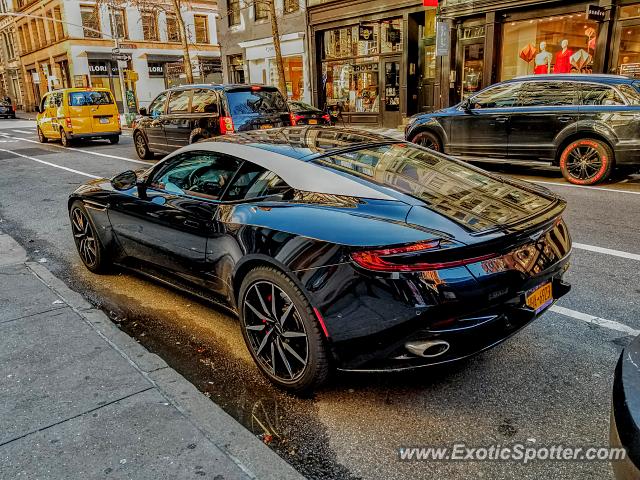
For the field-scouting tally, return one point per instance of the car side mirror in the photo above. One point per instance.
(143, 111)
(124, 181)
(37, 108)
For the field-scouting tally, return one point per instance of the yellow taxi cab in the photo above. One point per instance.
(72, 113)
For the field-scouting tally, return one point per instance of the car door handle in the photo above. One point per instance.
(565, 119)
(502, 119)
(192, 223)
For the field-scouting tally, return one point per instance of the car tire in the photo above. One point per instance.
(41, 137)
(295, 359)
(64, 139)
(141, 146)
(114, 139)
(85, 235)
(428, 140)
(586, 161)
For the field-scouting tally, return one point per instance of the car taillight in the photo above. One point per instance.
(226, 125)
(379, 260)
(119, 122)
(294, 119)
(326, 117)
(68, 121)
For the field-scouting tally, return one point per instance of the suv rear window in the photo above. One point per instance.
(247, 102)
(80, 99)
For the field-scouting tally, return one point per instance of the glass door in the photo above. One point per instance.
(472, 69)
(628, 48)
(391, 100)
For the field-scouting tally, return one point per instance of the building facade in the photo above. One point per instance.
(70, 43)
(11, 81)
(245, 34)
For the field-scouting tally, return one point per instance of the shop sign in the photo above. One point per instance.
(365, 67)
(393, 36)
(156, 69)
(102, 69)
(35, 76)
(365, 34)
(630, 70)
(595, 12)
(467, 33)
(443, 39)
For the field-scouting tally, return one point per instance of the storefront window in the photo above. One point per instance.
(629, 53)
(472, 70)
(630, 11)
(391, 39)
(561, 44)
(293, 76)
(353, 86)
(338, 43)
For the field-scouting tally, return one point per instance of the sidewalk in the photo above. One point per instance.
(79, 399)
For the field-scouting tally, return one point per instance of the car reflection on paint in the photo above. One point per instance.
(337, 249)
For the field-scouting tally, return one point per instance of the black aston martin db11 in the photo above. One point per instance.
(336, 248)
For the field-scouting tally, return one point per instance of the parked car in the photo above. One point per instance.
(625, 413)
(74, 113)
(185, 114)
(7, 110)
(305, 114)
(336, 248)
(586, 124)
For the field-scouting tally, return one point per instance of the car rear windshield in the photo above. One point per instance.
(248, 102)
(80, 99)
(463, 193)
(302, 107)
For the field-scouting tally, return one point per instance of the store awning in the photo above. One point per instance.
(164, 58)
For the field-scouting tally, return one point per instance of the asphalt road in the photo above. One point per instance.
(550, 384)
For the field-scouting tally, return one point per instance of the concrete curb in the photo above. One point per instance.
(254, 458)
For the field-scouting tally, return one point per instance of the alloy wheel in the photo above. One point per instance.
(141, 146)
(84, 237)
(584, 162)
(427, 140)
(275, 331)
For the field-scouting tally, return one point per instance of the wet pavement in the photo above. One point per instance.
(549, 384)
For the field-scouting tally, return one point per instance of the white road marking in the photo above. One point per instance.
(50, 164)
(24, 131)
(607, 251)
(599, 321)
(90, 152)
(571, 185)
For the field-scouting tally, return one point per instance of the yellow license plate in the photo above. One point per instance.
(266, 127)
(313, 122)
(540, 297)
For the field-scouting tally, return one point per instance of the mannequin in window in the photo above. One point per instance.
(563, 59)
(543, 60)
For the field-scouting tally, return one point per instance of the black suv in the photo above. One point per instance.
(188, 113)
(586, 124)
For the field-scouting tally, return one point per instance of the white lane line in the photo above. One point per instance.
(24, 131)
(50, 164)
(607, 251)
(570, 185)
(599, 321)
(90, 152)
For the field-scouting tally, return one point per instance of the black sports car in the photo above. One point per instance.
(305, 114)
(336, 248)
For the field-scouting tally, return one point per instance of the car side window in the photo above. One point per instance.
(179, 101)
(600, 95)
(44, 103)
(543, 94)
(499, 96)
(204, 101)
(199, 174)
(157, 106)
(253, 181)
(633, 95)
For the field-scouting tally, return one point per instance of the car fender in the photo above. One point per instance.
(428, 124)
(584, 128)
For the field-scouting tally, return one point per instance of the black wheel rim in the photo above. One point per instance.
(84, 237)
(428, 142)
(275, 331)
(584, 162)
(40, 135)
(140, 146)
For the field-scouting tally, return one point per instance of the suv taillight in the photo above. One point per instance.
(294, 119)
(226, 125)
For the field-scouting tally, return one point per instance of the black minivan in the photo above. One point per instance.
(188, 113)
(586, 124)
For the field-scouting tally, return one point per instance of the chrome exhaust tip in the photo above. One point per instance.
(428, 348)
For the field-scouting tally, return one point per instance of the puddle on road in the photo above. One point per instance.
(206, 347)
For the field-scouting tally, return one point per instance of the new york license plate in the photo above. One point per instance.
(540, 297)
(266, 126)
(104, 119)
(313, 122)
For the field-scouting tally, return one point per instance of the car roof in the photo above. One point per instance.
(582, 77)
(81, 89)
(223, 86)
(293, 170)
(305, 142)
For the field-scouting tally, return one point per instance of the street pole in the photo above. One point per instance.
(114, 34)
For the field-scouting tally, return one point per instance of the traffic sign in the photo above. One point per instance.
(115, 51)
(123, 57)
